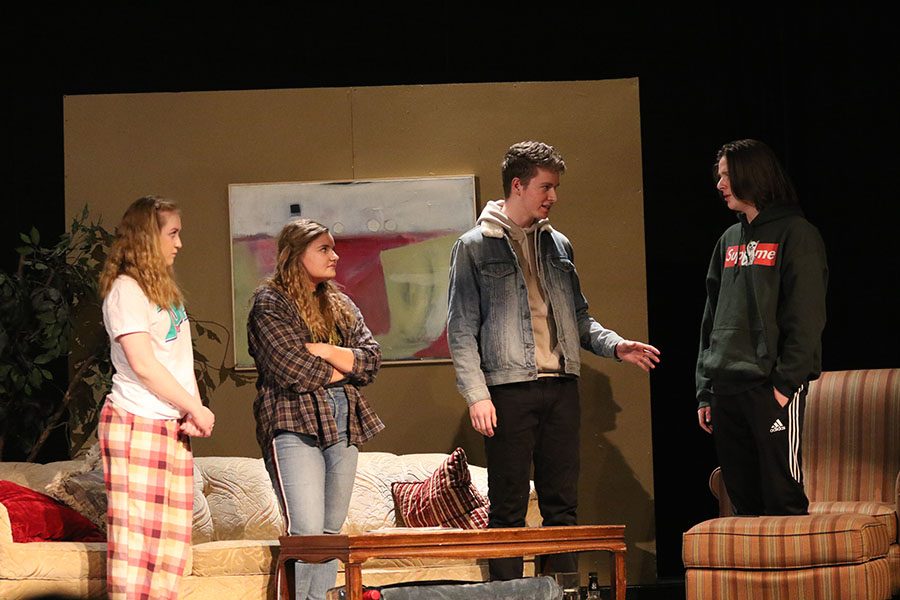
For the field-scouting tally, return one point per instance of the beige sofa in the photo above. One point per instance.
(237, 521)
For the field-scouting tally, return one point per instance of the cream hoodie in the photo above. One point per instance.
(525, 243)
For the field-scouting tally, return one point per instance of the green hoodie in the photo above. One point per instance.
(765, 306)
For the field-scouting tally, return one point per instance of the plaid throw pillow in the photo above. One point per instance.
(446, 499)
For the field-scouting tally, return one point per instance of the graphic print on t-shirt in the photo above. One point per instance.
(177, 316)
(754, 253)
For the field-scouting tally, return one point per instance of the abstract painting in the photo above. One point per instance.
(393, 236)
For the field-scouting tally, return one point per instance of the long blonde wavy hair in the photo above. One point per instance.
(136, 252)
(321, 309)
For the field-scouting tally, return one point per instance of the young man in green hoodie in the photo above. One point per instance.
(516, 323)
(760, 341)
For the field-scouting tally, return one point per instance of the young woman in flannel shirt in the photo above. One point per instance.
(313, 352)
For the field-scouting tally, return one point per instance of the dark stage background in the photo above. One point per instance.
(819, 85)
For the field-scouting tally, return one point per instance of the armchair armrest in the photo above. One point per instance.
(717, 487)
(897, 505)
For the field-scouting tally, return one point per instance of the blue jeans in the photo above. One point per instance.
(315, 485)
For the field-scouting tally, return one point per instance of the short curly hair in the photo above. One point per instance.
(522, 160)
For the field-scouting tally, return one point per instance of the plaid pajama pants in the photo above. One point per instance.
(148, 470)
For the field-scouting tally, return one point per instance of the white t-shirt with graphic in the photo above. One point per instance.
(126, 309)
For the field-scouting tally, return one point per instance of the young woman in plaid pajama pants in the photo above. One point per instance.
(313, 352)
(153, 407)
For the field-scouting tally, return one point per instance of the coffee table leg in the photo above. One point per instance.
(353, 583)
(286, 576)
(617, 576)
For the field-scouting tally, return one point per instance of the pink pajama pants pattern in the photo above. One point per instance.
(148, 470)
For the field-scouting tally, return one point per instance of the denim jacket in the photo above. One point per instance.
(489, 322)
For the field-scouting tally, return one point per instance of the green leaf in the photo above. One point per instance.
(44, 358)
(46, 317)
(24, 238)
(35, 378)
(24, 250)
(35, 236)
(47, 374)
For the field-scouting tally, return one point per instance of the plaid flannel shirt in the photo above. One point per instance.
(291, 382)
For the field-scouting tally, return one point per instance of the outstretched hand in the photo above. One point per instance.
(643, 355)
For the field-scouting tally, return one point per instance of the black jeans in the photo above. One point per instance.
(537, 422)
(758, 445)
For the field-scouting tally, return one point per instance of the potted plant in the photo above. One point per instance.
(50, 318)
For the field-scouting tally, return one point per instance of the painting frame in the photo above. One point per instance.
(394, 236)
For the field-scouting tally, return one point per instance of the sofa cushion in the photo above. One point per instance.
(445, 499)
(234, 557)
(84, 492)
(241, 500)
(202, 528)
(36, 517)
(865, 581)
(851, 436)
(35, 475)
(82, 489)
(882, 511)
(53, 560)
(372, 503)
(784, 542)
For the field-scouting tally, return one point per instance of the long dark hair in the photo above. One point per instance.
(756, 175)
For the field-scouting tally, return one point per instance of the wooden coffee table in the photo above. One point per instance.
(353, 550)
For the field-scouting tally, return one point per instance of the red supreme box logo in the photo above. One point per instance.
(753, 253)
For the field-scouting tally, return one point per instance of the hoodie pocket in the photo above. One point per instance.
(732, 354)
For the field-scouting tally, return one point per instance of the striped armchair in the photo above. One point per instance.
(848, 546)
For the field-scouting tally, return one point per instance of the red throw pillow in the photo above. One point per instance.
(446, 499)
(36, 517)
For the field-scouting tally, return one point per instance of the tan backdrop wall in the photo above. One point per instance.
(190, 146)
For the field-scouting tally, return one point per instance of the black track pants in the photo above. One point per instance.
(758, 445)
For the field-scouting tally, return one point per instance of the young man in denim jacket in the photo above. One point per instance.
(516, 321)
